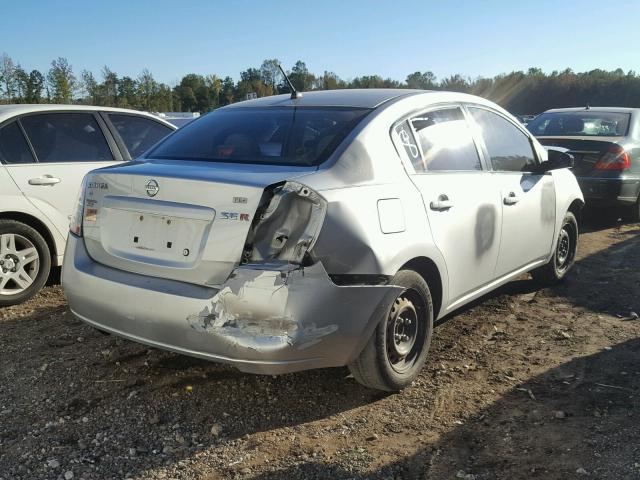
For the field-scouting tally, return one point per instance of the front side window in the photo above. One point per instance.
(507, 146)
(13, 145)
(138, 133)
(295, 136)
(446, 142)
(66, 137)
(584, 123)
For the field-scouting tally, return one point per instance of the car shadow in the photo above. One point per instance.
(590, 283)
(520, 286)
(578, 420)
(607, 281)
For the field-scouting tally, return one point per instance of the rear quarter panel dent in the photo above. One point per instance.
(351, 240)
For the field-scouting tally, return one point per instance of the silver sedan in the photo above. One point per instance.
(331, 229)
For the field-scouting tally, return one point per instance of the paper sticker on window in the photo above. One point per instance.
(407, 140)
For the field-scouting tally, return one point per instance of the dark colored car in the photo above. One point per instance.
(605, 143)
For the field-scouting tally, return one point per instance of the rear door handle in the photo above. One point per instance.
(443, 203)
(511, 199)
(44, 180)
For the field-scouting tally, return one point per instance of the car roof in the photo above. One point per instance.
(594, 109)
(12, 110)
(353, 97)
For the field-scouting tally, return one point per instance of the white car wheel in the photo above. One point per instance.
(25, 262)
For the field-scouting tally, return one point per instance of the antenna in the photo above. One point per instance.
(294, 93)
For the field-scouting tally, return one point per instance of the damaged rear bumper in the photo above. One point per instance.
(267, 319)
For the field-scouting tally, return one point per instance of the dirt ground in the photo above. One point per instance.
(525, 383)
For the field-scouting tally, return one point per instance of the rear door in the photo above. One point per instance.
(527, 198)
(64, 147)
(462, 203)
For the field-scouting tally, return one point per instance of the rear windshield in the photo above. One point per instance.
(298, 136)
(581, 124)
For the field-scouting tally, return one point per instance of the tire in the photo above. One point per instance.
(397, 349)
(25, 262)
(564, 254)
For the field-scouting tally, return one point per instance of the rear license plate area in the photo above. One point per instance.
(159, 234)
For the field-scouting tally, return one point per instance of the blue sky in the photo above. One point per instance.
(390, 38)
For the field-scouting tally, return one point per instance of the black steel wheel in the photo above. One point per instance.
(564, 254)
(397, 349)
(405, 326)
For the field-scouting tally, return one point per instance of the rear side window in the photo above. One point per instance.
(297, 136)
(13, 145)
(446, 142)
(407, 141)
(66, 137)
(138, 133)
(507, 146)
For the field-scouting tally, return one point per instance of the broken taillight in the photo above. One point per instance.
(286, 225)
(616, 158)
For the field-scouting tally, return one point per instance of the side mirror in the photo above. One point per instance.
(557, 158)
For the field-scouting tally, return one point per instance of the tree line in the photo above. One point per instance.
(520, 92)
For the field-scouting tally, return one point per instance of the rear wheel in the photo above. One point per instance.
(25, 262)
(397, 350)
(564, 254)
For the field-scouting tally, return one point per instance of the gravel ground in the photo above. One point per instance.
(525, 383)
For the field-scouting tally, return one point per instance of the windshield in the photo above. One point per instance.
(297, 136)
(581, 124)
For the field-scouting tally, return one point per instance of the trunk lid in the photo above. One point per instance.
(585, 150)
(186, 221)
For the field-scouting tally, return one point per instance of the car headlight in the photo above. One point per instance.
(286, 224)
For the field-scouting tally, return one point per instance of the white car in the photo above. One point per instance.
(289, 233)
(45, 151)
